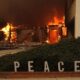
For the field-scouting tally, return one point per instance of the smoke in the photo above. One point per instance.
(31, 12)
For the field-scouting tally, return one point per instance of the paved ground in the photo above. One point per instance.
(13, 51)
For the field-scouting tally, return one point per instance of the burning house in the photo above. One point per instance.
(50, 28)
(10, 33)
(56, 30)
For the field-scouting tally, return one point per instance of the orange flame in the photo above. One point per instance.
(56, 20)
(6, 31)
(53, 34)
(13, 36)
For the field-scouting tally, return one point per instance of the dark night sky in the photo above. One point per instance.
(31, 12)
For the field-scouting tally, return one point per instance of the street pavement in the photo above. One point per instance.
(14, 51)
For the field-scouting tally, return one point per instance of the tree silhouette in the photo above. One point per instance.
(2, 35)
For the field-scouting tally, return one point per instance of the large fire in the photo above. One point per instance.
(56, 21)
(56, 29)
(10, 33)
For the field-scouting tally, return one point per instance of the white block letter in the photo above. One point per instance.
(46, 67)
(30, 66)
(59, 66)
(77, 66)
(16, 65)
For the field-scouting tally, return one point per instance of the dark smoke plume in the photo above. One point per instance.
(31, 12)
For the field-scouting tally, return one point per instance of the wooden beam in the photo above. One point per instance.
(38, 75)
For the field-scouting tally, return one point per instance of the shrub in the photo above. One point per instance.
(68, 50)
